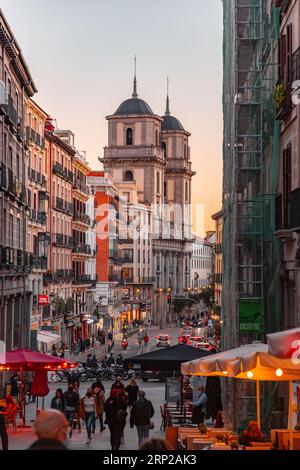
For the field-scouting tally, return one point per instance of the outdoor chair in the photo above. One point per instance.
(11, 418)
(296, 443)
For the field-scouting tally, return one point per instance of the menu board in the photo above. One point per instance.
(173, 390)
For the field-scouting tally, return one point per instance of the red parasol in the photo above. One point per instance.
(26, 360)
(39, 387)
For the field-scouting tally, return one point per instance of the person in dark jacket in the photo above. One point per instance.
(141, 413)
(199, 406)
(72, 403)
(3, 430)
(51, 428)
(118, 384)
(14, 385)
(214, 397)
(132, 391)
(58, 401)
(111, 360)
(114, 411)
(98, 384)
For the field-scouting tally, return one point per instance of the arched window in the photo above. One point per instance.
(164, 149)
(165, 189)
(158, 182)
(128, 176)
(129, 136)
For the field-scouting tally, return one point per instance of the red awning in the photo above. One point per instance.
(26, 359)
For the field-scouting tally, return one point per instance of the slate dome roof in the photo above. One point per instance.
(133, 106)
(171, 123)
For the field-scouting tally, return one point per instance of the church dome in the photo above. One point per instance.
(171, 123)
(133, 106)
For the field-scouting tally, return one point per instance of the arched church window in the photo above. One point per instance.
(128, 176)
(164, 149)
(129, 136)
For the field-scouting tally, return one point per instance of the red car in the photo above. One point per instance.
(183, 339)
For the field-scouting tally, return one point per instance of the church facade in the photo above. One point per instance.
(148, 157)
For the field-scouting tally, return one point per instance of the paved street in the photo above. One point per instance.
(155, 391)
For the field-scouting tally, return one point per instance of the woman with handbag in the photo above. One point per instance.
(141, 413)
(88, 411)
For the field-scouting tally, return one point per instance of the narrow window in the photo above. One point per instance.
(129, 136)
(164, 149)
(128, 176)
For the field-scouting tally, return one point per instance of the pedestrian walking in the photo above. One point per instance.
(100, 401)
(114, 412)
(14, 387)
(88, 412)
(132, 391)
(71, 398)
(58, 401)
(118, 384)
(98, 384)
(141, 413)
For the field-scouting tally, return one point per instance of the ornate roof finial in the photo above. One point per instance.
(167, 113)
(134, 94)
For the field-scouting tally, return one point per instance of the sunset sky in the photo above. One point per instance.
(80, 53)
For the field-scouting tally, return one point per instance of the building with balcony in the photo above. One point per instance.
(287, 210)
(16, 263)
(201, 263)
(38, 203)
(106, 208)
(150, 154)
(218, 261)
(59, 278)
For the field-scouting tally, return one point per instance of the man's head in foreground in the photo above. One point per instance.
(51, 424)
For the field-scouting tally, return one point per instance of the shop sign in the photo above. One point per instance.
(43, 300)
(250, 312)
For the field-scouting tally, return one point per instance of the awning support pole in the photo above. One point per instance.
(258, 403)
(291, 414)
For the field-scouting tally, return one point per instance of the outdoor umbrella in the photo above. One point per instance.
(285, 344)
(166, 359)
(21, 360)
(249, 362)
(39, 386)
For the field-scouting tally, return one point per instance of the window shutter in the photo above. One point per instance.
(289, 51)
(282, 58)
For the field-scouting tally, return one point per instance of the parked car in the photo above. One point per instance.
(183, 339)
(163, 341)
(153, 375)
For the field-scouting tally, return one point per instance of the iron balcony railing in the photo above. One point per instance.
(80, 186)
(82, 279)
(59, 170)
(81, 248)
(62, 205)
(80, 217)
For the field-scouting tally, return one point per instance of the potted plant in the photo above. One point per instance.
(202, 428)
(234, 445)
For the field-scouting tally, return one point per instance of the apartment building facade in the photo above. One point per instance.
(16, 87)
(288, 199)
(201, 263)
(218, 260)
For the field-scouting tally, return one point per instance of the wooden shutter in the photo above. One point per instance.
(282, 51)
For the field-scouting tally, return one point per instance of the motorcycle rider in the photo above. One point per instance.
(119, 360)
(111, 360)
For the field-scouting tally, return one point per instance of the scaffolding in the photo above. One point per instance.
(251, 254)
